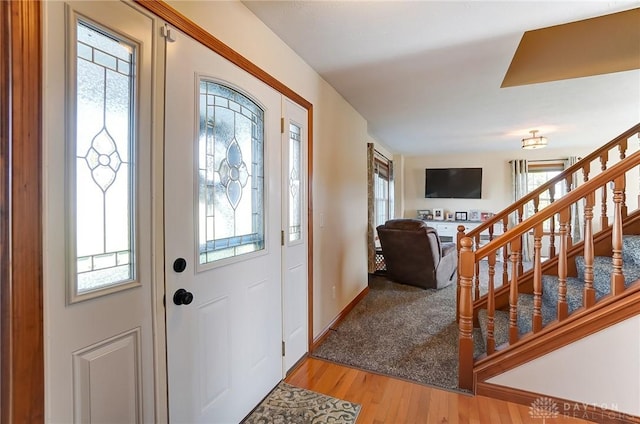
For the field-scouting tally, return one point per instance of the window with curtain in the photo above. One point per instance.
(379, 199)
(528, 176)
(381, 190)
(538, 173)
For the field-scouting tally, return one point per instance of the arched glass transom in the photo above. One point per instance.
(230, 173)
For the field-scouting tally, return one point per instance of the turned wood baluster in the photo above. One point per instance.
(491, 305)
(617, 279)
(585, 173)
(520, 213)
(536, 204)
(623, 149)
(604, 220)
(589, 296)
(552, 225)
(505, 254)
(537, 278)
(465, 322)
(513, 291)
(562, 266)
(568, 182)
(476, 277)
(491, 237)
(520, 217)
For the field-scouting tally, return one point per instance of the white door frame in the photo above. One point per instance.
(156, 344)
(172, 17)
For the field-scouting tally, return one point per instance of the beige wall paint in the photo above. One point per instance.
(602, 369)
(339, 168)
(496, 179)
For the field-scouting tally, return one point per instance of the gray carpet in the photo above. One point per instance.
(402, 331)
(288, 404)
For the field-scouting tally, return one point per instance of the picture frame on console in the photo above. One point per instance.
(423, 213)
(485, 216)
(438, 214)
(474, 215)
(461, 216)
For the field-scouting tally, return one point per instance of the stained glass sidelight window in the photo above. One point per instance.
(295, 201)
(230, 174)
(104, 180)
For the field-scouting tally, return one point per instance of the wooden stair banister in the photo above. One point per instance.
(561, 208)
(566, 201)
(598, 239)
(601, 154)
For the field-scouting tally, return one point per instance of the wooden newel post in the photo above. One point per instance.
(459, 236)
(465, 317)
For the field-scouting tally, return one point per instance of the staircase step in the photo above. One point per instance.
(525, 314)
(602, 269)
(575, 287)
(500, 327)
(631, 249)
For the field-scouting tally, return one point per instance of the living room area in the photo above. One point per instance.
(407, 327)
(386, 338)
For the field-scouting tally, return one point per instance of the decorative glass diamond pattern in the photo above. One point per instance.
(295, 201)
(233, 173)
(230, 173)
(103, 145)
(103, 160)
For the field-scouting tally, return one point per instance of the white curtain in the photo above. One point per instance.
(519, 184)
(371, 248)
(577, 209)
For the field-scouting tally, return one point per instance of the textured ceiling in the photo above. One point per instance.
(426, 74)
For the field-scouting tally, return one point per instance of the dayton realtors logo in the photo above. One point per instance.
(548, 408)
(544, 407)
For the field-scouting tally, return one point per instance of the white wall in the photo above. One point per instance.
(602, 369)
(496, 178)
(339, 152)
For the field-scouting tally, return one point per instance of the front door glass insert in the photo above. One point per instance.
(230, 173)
(104, 151)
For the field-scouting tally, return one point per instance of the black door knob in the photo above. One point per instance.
(182, 297)
(179, 265)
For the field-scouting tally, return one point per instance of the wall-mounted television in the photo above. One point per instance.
(453, 183)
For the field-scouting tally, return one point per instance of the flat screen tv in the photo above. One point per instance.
(453, 183)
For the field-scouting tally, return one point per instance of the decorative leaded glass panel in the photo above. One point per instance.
(295, 201)
(230, 174)
(103, 160)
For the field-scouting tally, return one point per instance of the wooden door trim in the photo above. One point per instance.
(184, 24)
(21, 278)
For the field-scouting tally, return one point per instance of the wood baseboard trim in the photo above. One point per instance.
(325, 333)
(566, 408)
(581, 324)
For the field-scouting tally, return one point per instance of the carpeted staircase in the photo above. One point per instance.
(602, 269)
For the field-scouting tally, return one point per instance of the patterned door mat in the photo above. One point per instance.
(288, 404)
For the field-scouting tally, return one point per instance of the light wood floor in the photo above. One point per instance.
(389, 400)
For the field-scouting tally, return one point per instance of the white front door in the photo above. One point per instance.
(294, 257)
(98, 86)
(222, 228)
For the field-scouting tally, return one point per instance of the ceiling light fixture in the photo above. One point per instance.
(534, 142)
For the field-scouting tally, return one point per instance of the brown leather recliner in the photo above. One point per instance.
(414, 254)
